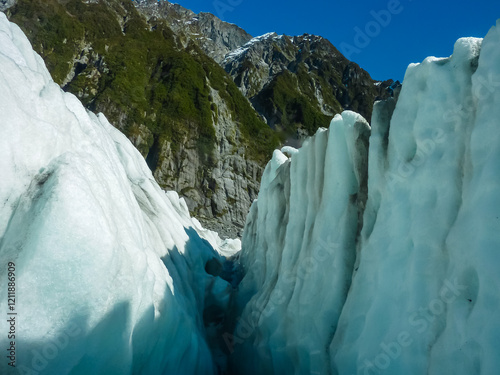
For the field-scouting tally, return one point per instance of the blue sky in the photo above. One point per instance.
(383, 37)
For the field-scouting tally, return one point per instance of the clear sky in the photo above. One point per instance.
(383, 37)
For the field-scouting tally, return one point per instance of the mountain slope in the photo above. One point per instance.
(383, 260)
(215, 37)
(180, 109)
(295, 83)
(301, 81)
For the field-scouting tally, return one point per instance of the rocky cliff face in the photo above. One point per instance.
(6, 4)
(297, 84)
(215, 37)
(220, 196)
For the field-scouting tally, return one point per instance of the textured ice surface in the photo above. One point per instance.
(412, 286)
(110, 270)
(297, 245)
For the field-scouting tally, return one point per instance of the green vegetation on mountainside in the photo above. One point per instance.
(307, 83)
(292, 107)
(136, 74)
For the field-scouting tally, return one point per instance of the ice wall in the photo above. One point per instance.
(416, 292)
(298, 258)
(109, 269)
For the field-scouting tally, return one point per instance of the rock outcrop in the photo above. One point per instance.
(6, 4)
(221, 196)
(214, 36)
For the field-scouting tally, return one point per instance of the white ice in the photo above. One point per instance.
(413, 286)
(110, 269)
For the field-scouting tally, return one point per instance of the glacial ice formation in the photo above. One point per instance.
(357, 260)
(109, 269)
(385, 263)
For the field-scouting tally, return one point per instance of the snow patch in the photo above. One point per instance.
(240, 51)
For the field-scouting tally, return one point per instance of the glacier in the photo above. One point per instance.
(370, 250)
(111, 273)
(383, 259)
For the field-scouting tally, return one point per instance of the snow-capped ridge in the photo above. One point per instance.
(240, 51)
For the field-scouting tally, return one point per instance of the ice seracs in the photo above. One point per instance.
(386, 262)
